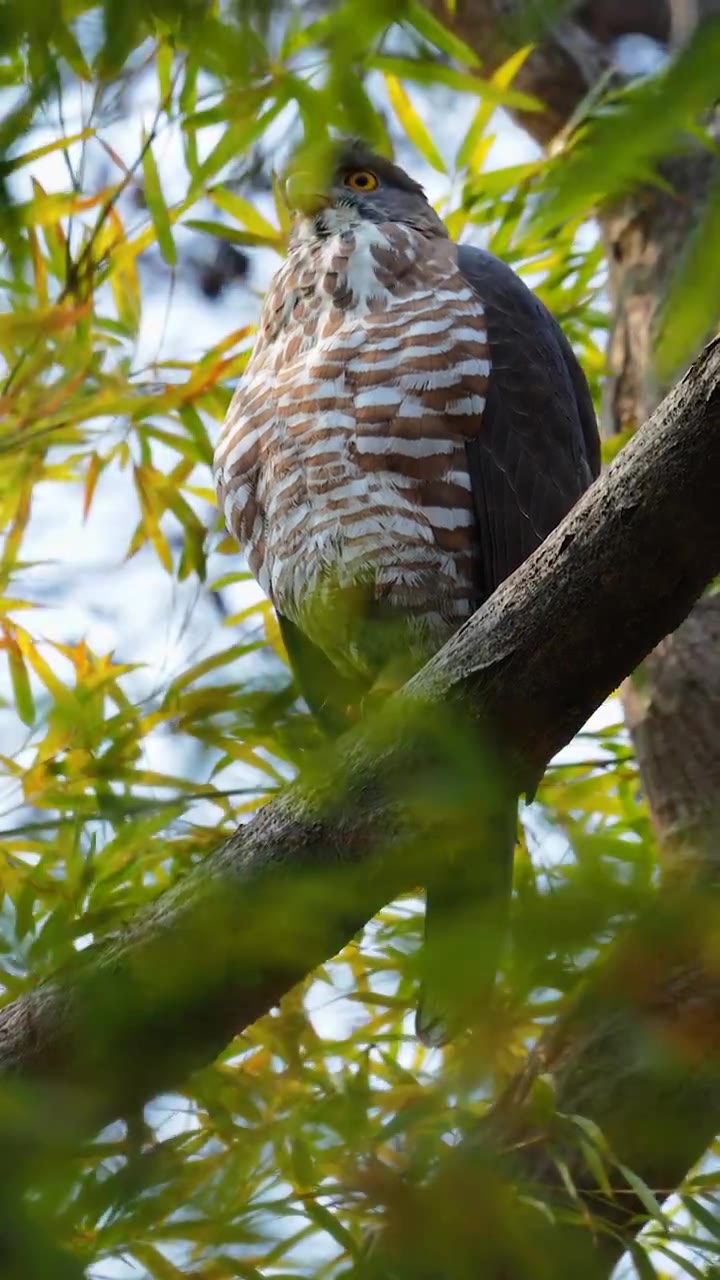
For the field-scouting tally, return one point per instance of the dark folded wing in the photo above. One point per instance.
(538, 447)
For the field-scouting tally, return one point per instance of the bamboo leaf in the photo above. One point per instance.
(644, 1194)
(411, 122)
(37, 153)
(474, 146)
(422, 72)
(622, 139)
(707, 1219)
(236, 138)
(436, 33)
(330, 1223)
(691, 308)
(643, 1266)
(20, 680)
(224, 232)
(244, 211)
(156, 205)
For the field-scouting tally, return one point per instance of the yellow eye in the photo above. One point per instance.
(361, 180)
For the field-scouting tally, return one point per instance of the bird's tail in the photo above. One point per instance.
(466, 922)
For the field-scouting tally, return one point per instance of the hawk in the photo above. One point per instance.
(411, 425)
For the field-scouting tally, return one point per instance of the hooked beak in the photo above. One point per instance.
(301, 193)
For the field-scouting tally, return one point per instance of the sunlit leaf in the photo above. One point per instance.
(22, 690)
(156, 205)
(474, 146)
(437, 33)
(244, 211)
(425, 73)
(616, 147)
(223, 232)
(411, 122)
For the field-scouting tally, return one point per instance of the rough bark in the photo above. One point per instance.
(672, 708)
(135, 1016)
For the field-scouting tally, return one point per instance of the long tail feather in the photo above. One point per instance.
(466, 924)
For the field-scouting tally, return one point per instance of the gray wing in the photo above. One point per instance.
(536, 451)
(538, 447)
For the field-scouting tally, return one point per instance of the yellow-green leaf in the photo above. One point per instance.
(70, 50)
(436, 33)
(411, 122)
(474, 147)
(232, 235)
(244, 211)
(156, 205)
(22, 692)
(165, 61)
(422, 72)
(124, 280)
(59, 144)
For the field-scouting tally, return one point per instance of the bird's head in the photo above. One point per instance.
(346, 184)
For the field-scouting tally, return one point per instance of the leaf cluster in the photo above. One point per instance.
(118, 773)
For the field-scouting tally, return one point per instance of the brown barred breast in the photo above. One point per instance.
(342, 461)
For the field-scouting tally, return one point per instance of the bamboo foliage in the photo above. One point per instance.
(133, 134)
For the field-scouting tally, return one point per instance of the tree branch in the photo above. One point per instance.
(134, 1016)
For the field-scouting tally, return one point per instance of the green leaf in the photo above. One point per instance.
(330, 1223)
(237, 137)
(691, 307)
(244, 211)
(616, 147)
(641, 1262)
(59, 144)
(156, 205)
(165, 63)
(20, 680)
(710, 1221)
(411, 122)
(429, 74)
(645, 1195)
(682, 1262)
(469, 150)
(420, 17)
(68, 47)
(224, 232)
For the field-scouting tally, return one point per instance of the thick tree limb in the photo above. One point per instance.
(136, 1015)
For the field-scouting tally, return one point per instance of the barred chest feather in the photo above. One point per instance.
(342, 465)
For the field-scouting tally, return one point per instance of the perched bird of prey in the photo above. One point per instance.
(411, 424)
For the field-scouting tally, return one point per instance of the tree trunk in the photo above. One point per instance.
(672, 706)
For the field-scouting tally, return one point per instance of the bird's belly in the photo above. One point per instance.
(356, 566)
